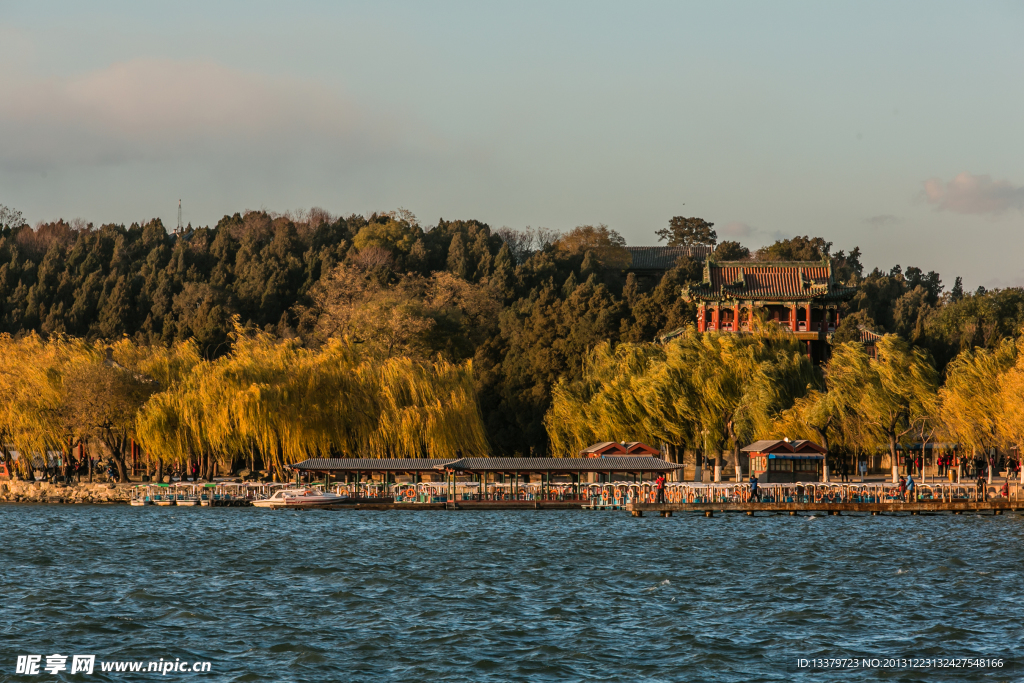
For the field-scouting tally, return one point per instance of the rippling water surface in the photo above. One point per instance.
(506, 596)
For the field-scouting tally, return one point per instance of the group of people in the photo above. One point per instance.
(907, 488)
(69, 469)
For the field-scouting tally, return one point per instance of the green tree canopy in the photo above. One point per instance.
(685, 232)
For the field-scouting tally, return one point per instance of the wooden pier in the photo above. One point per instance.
(456, 505)
(930, 507)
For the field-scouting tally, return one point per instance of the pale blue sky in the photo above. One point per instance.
(893, 126)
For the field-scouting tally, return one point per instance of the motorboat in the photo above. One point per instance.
(301, 497)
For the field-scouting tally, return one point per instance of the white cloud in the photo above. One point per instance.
(148, 110)
(973, 194)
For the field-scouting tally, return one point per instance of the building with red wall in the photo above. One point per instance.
(802, 296)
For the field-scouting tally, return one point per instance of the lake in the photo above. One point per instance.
(509, 596)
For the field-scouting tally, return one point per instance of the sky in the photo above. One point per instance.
(896, 127)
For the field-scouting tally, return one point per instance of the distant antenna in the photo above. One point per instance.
(179, 228)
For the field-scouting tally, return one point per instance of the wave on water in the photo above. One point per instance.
(499, 596)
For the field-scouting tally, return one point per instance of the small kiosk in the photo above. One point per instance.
(785, 462)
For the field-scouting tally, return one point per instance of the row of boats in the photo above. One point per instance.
(232, 494)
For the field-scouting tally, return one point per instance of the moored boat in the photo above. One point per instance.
(140, 496)
(302, 497)
(186, 494)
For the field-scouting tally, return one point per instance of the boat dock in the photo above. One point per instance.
(637, 497)
(831, 498)
(454, 505)
(995, 507)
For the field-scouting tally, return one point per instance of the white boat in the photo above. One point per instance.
(140, 496)
(186, 494)
(298, 498)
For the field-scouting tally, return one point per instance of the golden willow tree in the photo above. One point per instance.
(1011, 399)
(978, 399)
(868, 402)
(287, 403)
(267, 398)
(701, 391)
(65, 391)
(31, 398)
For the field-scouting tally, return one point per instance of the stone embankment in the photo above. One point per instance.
(44, 492)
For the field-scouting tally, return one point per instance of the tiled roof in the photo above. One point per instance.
(644, 463)
(614, 463)
(372, 464)
(638, 447)
(664, 258)
(867, 335)
(762, 446)
(797, 280)
(782, 446)
(605, 447)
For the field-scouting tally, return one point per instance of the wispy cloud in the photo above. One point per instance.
(158, 110)
(737, 230)
(974, 194)
(882, 220)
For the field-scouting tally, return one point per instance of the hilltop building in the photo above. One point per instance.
(655, 261)
(800, 295)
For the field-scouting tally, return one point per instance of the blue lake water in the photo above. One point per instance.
(507, 596)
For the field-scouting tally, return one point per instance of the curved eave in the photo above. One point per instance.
(754, 296)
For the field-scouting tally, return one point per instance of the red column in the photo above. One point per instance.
(736, 318)
(808, 317)
(702, 313)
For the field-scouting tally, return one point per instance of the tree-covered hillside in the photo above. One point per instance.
(524, 306)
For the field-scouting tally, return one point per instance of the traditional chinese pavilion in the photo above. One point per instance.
(785, 461)
(800, 295)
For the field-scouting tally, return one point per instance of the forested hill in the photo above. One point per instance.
(523, 305)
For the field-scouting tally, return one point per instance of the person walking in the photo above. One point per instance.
(982, 488)
(910, 489)
(903, 488)
(754, 494)
(659, 485)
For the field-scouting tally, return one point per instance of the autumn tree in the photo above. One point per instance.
(102, 398)
(972, 406)
(701, 391)
(605, 246)
(892, 394)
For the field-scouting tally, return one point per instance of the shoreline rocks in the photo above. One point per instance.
(44, 492)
